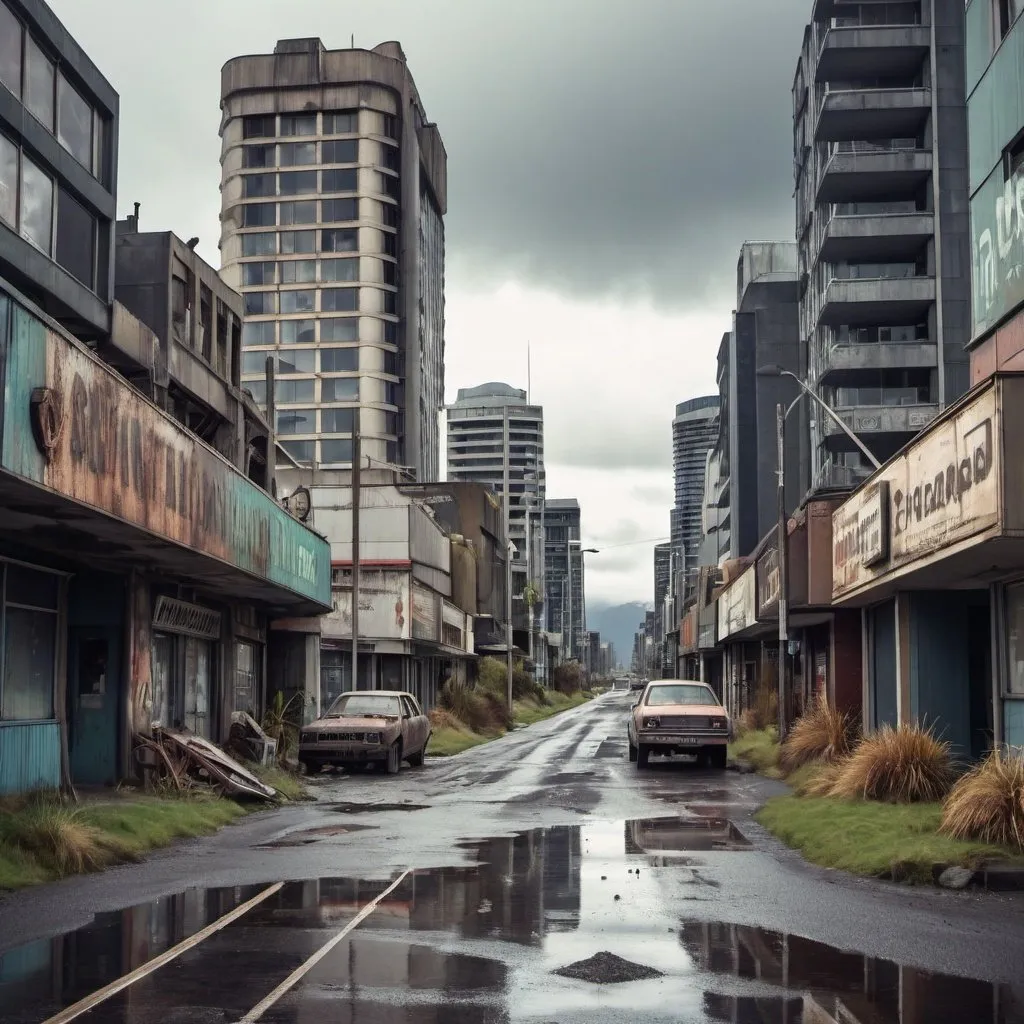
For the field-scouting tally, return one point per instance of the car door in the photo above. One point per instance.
(410, 740)
(419, 723)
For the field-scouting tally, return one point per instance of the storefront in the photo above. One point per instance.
(739, 634)
(931, 551)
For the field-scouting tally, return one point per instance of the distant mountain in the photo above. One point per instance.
(617, 624)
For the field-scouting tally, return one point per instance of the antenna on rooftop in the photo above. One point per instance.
(353, 40)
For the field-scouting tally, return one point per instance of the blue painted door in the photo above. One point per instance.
(94, 679)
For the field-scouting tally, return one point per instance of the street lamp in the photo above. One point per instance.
(774, 370)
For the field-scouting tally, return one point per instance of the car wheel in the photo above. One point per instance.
(312, 767)
(416, 760)
(642, 753)
(720, 758)
(632, 749)
(394, 761)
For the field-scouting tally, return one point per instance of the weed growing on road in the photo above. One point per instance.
(760, 749)
(987, 804)
(822, 733)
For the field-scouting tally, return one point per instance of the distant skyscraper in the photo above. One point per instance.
(563, 561)
(694, 433)
(662, 588)
(333, 190)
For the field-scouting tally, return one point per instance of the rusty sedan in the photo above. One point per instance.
(379, 727)
(678, 716)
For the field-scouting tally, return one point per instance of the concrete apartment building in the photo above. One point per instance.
(741, 485)
(880, 156)
(663, 622)
(496, 438)
(564, 570)
(333, 194)
(694, 432)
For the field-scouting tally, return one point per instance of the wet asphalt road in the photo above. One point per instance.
(512, 861)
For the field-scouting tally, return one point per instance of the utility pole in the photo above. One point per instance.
(782, 545)
(506, 454)
(271, 368)
(356, 473)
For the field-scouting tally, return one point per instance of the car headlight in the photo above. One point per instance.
(652, 723)
(373, 737)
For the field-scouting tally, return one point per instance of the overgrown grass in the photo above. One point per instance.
(527, 712)
(987, 803)
(883, 840)
(286, 783)
(821, 734)
(43, 838)
(760, 749)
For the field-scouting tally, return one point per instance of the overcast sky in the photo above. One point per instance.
(606, 160)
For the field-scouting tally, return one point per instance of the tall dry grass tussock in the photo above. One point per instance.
(907, 764)
(822, 733)
(823, 781)
(57, 836)
(987, 803)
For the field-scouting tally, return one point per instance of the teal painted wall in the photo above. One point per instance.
(1013, 723)
(26, 369)
(29, 757)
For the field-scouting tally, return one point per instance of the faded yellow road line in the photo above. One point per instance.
(268, 1001)
(101, 994)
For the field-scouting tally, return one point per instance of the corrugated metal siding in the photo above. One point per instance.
(26, 369)
(29, 757)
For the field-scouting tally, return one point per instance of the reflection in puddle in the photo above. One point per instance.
(479, 944)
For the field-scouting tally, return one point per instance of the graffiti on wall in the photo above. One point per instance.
(997, 224)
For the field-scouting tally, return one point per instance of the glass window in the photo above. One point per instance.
(262, 126)
(340, 209)
(293, 183)
(301, 212)
(298, 241)
(339, 240)
(298, 124)
(74, 122)
(297, 360)
(247, 663)
(302, 300)
(259, 303)
(390, 393)
(389, 156)
(337, 421)
(261, 333)
(298, 332)
(389, 185)
(260, 243)
(339, 389)
(296, 421)
(339, 360)
(389, 215)
(339, 180)
(258, 273)
(391, 333)
(341, 123)
(290, 391)
(259, 215)
(300, 451)
(340, 151)
(256, 185)
(76, 239)
(339, 300)
(297, 154)
(8, 179)
(259, 156)
(390, 273)
(390, 126)
(339, 328)
(298, 271)
(340, 270)
(29, 652)
(389, 302)
(27, 586)
(10, 50)
(336, 450)
(391, 363)
(391, 246)
(36, 205)
(255, 362)
(38, 83)
(258, 388)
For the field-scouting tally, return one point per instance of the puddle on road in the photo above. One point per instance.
(482, 944)
(305, 836)
(351, 808)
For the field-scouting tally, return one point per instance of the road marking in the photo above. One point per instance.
(268, 1001)
(102, 994)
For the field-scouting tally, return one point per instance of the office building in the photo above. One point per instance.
(564, 574)
(333, 193)
(880, 156)
(741, 485)
(496, 438)
(663, 623)
(694, 432)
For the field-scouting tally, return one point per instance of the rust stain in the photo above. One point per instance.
(141, 680)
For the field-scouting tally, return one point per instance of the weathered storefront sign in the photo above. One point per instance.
(425, 625)
(383, 608)
(768, 581)
(997, 226)
(737, 606)
(73, 426)
(942, 490)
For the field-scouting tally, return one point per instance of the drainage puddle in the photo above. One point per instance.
(305, 836)
(375, 808)
(566, 924)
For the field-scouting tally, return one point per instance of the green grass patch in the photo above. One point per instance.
(760, 749)
(898, 841)
(447, 741)
(529, 712)
(43, 838)
(288, 785)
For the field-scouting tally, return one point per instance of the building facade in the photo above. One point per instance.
(333, 195)
(880, 156)
(663, 624)
(694, 432)
(496, 438)
(563, 574)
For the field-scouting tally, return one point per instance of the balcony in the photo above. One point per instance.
(838, 360)
(864, 171)
(833, 476)
(875, 237)
(878, 420)
(876, 300)
(848, 50)
(872, 113)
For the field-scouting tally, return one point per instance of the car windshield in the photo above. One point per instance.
(682, 693)
(364, 705)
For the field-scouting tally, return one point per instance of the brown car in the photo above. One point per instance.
(381, 727)
(678, 716)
